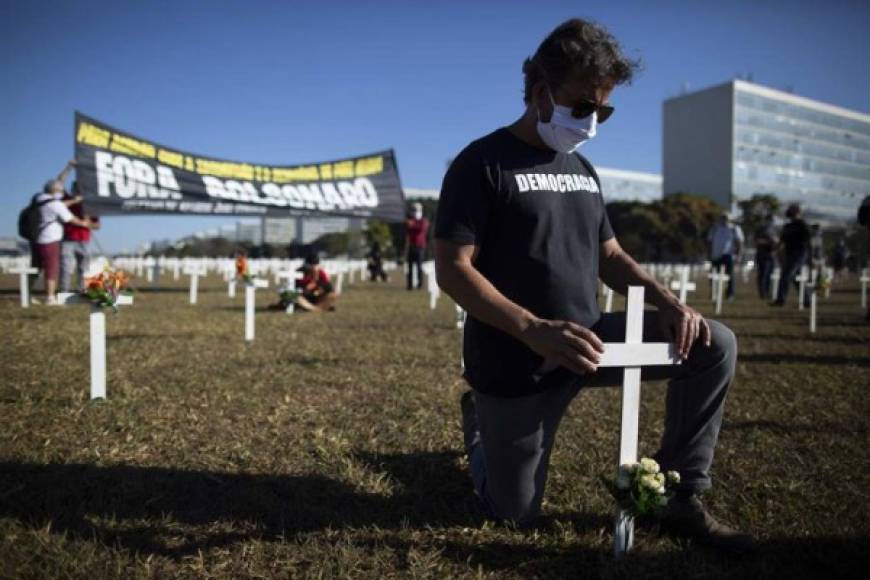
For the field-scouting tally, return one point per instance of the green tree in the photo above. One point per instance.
(672, 229)
(754, 209)
(378, 231)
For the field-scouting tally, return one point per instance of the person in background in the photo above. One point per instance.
(376, 263)
(725, 244)
(318, 295)
(794, 244)
(75, 255)
(864, 220)
(765, 242)
(839, 256)
(53, 214)
(416, 231)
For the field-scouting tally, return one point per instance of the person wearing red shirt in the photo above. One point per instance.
(75, 255)
(318, 295)
(416, 232)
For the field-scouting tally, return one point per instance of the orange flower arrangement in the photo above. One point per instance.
(242, 269)
(104, 288)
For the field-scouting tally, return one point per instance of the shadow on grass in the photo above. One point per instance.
(147, 509)
(823, 557)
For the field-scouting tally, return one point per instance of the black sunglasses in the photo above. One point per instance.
(585, 108)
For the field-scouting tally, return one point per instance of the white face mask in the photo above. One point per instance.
(564, 133)
(418, 214)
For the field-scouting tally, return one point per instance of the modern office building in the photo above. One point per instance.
(734, 140)
(621, 185)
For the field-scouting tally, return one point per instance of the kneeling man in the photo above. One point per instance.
(521, 238)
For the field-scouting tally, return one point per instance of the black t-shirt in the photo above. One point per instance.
(795, 237)
(538, 217)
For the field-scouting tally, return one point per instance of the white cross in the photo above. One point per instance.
(194, 274)
(865, 279)
(461, 317)
(683, 285)
(813, 309)
(717, 282)
(608, 298)
(250, 302)
(802, 279)
(632, 355)
(98, 337)
(431, 284)
(24, 283)
(774, 283)
(747, 267)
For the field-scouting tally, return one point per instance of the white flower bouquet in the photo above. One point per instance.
(641, 488)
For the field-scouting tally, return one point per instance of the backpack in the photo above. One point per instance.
(30, 220)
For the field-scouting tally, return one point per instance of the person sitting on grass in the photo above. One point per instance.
(317, 293)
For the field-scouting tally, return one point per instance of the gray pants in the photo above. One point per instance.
(513, 438)
(74, 258)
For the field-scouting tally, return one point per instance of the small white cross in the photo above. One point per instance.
(250, 303)
(865, 280)
(683, 285)
(774, 283)
(802, 279)
(717, 282)
(194, 274)
(24, 283)
(98, 337)
(632, 355)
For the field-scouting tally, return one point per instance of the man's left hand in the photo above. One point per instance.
(683, 325)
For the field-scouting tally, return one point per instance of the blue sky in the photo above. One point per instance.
(286, 83)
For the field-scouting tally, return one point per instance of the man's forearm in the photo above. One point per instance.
(619, 271)
(473, 292)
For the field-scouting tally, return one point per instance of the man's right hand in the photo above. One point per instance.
(566, 343)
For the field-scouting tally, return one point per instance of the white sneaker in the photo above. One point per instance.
(52, 301)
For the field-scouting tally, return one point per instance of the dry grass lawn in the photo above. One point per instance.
(330, 447)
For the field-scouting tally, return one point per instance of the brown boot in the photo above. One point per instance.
(686, 518)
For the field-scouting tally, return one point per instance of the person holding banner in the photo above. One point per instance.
(54, 212)
(521, 237)
(75, 255)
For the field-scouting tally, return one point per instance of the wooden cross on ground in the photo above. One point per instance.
(632, 355)
(98, 337)
(250, 303)
(683, 286)
(23, 283)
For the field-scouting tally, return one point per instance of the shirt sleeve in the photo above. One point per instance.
(62, 211)
(465, 202)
